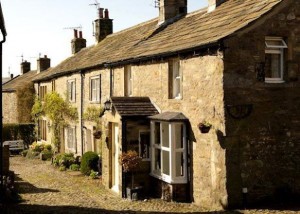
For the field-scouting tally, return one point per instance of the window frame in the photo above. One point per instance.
(71, 89)
(71, 145)
(278, 50)
(128, 81)
(172, 150)
(97, 97)
(175, 79)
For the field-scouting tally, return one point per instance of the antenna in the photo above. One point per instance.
(96, 4)
(22, 57)
(73, 28)
(156, 3)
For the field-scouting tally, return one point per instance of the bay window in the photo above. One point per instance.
(169, 155)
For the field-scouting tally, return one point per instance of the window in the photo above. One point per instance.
(71, 90)
(274, 59)
(168, 154)
(175, 80)
(128, 83)
(95, 89)
(42, 92)
(144, 145)
(71, 138)
(42, 129)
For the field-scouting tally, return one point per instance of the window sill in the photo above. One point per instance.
(94, 102)
(274, 81)
(168, 179)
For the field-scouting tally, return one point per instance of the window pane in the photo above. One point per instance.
(157, 160)
(178, 136)
(165, 135)
(273, 65)
(166, 162)
(179, 164)
(144, 145)
(157, 133)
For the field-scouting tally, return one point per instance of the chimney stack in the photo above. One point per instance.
(78, 42)
(103, 25)
(171, 8)
(25, 67)
(213, 4)
(11, 76)
(43, 64)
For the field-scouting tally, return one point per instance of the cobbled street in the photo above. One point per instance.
(45, 189)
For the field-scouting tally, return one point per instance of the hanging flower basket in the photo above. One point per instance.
(97, 134)
(204, 127)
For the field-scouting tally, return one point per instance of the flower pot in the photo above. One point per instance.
(204, 128)
(135, 193)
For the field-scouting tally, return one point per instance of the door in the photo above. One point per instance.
(115, 158)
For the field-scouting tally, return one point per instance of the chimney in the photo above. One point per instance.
(78, 42)
(171, 8)
(103, 25)
(43, 64)
(11, 76)
(25, 67)
(213, 4)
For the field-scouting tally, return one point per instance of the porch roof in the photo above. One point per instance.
(169, 116)
(133, 106)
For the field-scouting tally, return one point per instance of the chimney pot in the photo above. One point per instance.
(45, 56)
(100, 13)
(80, 34)
(11, 76)
(75, 34)
(106, 14)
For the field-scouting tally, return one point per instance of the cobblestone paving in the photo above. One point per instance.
(44, 189)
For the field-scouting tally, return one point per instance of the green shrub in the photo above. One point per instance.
(66, 160)
(48, 147)
(93, 174)
(89, 162)
(46, 155)
(32, 154)
(24, 153)
(75, 167)
(19, 131)
(62, 168)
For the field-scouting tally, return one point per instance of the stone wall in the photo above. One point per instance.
(9, 107)
(263, 150)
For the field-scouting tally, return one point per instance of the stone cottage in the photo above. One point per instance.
(18, 93)
(233, 65)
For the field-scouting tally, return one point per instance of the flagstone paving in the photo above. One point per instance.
(45, 189)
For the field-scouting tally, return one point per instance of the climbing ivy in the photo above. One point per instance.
(58, 110)
(25, 101)
(92, 114)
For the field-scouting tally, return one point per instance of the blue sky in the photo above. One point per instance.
(36, 27)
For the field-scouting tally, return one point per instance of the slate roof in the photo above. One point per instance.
(195, 30)
(133, 106)
(169, 116)
(18, 81)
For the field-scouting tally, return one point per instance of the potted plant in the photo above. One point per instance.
(204, 127)
(130, 162)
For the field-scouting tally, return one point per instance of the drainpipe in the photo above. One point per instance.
(81, 109)
(3, 31)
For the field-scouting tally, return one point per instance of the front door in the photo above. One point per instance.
(115, 158)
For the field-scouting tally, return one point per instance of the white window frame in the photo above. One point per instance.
(71, 88)
(128, 84)
(95, 89)
(171, 178)
(176, 79)
(276, 49)
(70, 133)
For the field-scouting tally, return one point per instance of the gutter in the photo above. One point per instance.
(3, 31)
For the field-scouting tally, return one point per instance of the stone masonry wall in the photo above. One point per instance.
(263, 149)
(9, 107)
(202, 100)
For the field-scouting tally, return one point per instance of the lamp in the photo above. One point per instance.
(107, 105)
